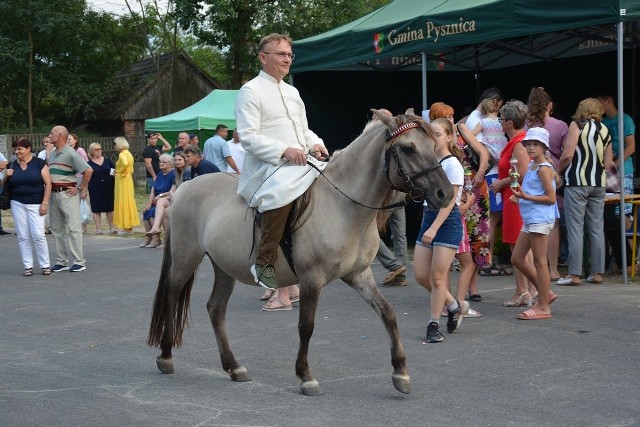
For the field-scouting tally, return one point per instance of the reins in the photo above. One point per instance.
(414, 193)
(391, 206)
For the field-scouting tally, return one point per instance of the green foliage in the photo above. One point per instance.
(236, 26)
(58, 56)
(59, 59)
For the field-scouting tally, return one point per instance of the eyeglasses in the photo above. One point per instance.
(282, 55)
(502, 120)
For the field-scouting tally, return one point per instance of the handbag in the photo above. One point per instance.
(613, 180)
(473, 157)
(5, 199)
(5, 194)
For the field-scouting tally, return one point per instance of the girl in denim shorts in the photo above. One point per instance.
(539, 211)
(439, 238)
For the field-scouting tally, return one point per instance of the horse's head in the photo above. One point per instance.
(410, 160)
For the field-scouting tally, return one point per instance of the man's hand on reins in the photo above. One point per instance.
(295, 156)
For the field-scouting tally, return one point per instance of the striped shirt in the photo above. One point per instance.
(587, 165)
(64, 164)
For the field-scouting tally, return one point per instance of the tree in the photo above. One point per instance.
(55, 59)
(236, 26)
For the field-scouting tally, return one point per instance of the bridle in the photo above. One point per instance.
(414, 192)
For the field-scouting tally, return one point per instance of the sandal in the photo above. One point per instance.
(47, 271)
(531, 314)
(522, 299)
(276, 305)
(268, 293)
(489, 270)
(28, 272)
(475, 297)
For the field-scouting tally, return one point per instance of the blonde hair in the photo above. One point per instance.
(488, 106)
(92, 147)
(121, 143)
(274, 37)
(450, 131)
(589, 109)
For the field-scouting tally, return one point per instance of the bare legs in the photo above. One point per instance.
(431, 268)
(97, 220)
(162, 207)
(538, 271)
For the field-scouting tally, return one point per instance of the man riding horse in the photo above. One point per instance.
(272, 124)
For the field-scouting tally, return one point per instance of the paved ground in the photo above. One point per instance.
(73, 353)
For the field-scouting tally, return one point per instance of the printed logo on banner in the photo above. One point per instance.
(378, 42)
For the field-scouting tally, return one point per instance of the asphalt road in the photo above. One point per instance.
(73, 353)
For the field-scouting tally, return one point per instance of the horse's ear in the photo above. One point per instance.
(409, 112)
(383, 117)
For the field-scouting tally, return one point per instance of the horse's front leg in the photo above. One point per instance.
(217, 309)
(309, 294)
(364, 283)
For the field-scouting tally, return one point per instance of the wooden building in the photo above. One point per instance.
(153, 88)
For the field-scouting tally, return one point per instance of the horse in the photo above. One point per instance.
(338, 240)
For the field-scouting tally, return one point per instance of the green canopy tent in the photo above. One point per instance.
(200, 118)
(476, 35)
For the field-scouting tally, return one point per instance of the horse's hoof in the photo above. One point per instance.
(402, 383)
(311, 388)
(165, 365)
(240, 374)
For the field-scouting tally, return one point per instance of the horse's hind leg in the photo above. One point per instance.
(365, 285)
(217, 308)
(309, 295)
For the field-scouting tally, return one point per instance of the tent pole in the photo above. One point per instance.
(425, 106)
(620, 51)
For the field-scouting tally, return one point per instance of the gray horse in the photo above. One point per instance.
(338, 240)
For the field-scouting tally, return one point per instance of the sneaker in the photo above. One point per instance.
(433, 333)
(3, 233)
(393, 275)
(76, 268)
(455, 318)
(59, 267)
(264, 275)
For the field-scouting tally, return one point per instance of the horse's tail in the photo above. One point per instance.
(161, 303)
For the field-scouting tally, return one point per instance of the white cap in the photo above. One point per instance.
(537, 134)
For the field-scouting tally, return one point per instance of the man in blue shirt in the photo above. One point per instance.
(610, 120)
(199, 166)
(216, 150)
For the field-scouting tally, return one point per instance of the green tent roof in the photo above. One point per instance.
(216, 108)
(466, 34)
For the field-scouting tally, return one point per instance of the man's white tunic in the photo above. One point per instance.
(271, 117)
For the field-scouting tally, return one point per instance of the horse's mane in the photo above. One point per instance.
(373, 129)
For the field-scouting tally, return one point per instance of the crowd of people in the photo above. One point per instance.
(47, 190)
(512, 165)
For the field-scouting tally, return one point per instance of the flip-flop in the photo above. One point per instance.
(276, 305)
(532, 315)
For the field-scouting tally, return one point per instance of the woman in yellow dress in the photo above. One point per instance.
(125, 211)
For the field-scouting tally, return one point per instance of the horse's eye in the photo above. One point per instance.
(409, 148)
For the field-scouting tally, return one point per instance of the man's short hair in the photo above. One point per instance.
(492, 93)
(274, 37)
(193, 149)
(221, 126)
